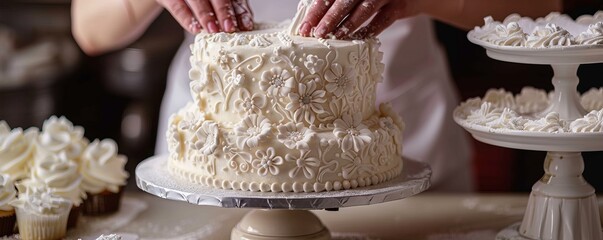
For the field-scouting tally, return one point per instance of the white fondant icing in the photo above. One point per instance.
(284, 113)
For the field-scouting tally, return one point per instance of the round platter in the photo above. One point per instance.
(153, 177)
(536, 141)
(579, 54)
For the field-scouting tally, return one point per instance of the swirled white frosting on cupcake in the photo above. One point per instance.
(60, 137)
(102, 168)
(592, 122)
(550, 35)
(594, 35)
(16, 150)
(8, 193)
(551, 123)
(61, 176)
(38, 199)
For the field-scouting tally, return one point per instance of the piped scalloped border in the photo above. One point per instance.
(283, 186)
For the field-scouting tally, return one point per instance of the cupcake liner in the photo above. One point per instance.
(44, 227)
(102, 203)
(7, 225)
(74, 215)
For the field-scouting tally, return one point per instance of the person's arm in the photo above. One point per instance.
(102, 26)
(344, 17)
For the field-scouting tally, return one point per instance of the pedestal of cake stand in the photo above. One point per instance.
(279, 215)
(562, 205)
(565, 63)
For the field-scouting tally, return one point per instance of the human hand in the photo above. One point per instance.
(212, 15)
(344, 17)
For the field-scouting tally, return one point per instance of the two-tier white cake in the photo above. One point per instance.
(278, 112)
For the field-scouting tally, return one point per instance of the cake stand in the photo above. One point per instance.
(279, 215)
(562, 204)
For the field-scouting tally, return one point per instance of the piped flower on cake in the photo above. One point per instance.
(295, 135)
(252, 130)
(340, 80)
(352, 133)
(307, 102)
(207, 138)
(304, 164)
(250, 104)
(277, 82)
(267, 162)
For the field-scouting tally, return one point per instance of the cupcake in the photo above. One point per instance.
(7, 212)
(62, 178)
(104, 177)
(40, 213)
(59, 137)
(16, 150)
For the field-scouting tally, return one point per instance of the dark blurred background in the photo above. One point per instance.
(118, 95)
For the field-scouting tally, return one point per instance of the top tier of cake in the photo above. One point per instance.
(285, 78)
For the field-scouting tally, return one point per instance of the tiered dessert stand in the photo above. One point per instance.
(562, 205)
(279, 215)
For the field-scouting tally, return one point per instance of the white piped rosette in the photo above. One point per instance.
(553, 31)
(102, 167)
(500, 111)
(16, 150)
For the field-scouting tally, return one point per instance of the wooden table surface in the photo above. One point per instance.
(428, 215)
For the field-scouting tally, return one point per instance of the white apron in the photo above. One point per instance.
(416, 82)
